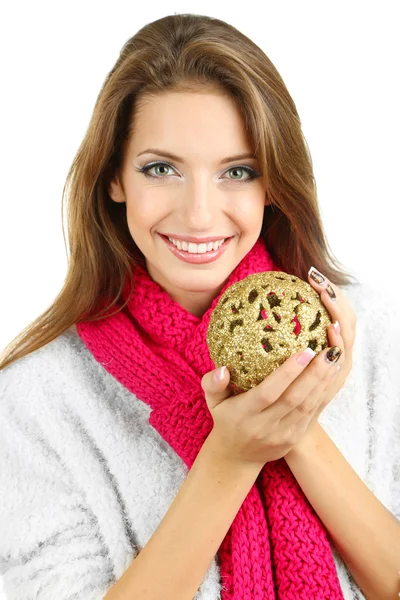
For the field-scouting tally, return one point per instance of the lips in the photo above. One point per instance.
(197, 241)
(198, 244)
(197, 258)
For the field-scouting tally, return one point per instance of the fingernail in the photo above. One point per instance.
(316, 276)
(330, 291)
(337, 326)
(333, 355)
(219, 374)
(305, 357)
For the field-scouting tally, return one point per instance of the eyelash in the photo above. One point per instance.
(252, 172)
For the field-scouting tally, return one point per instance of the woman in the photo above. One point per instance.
(128, 470)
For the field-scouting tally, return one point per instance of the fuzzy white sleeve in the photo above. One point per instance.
(384, 364)
(50, 544)
(392, 352)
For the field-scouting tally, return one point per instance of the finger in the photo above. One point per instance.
(308, 403)
(322, 283)
(336, 304)
(332, 293)
(273, 386)
(216, 386)
(316, 400)
(335, 338)
(300, 395)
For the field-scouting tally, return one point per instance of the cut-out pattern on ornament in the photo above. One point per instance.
(260, 321)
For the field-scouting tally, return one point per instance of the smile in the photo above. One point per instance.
(201, 253)
(197, 248)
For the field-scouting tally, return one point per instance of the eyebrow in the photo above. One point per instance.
(179, 159)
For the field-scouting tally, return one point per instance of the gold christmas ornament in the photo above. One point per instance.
(260, 321)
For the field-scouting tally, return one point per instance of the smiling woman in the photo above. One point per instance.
(199, 197)
(195, 141)
(121, 474)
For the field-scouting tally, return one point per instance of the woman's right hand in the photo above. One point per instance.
(265, 422)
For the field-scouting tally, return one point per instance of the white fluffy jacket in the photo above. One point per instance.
(85, 480)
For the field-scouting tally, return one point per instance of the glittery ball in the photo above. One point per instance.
(260, 321)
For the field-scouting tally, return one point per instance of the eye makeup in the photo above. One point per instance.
(253, 173)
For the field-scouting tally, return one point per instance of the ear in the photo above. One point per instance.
(115, 191)
(267, 200)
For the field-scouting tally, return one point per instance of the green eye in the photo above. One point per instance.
(241, 170)
(253, 174)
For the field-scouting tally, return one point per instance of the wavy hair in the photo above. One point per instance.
(180, 52)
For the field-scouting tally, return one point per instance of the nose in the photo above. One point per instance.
(199, 205)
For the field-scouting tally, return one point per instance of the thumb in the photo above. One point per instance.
(215, 386)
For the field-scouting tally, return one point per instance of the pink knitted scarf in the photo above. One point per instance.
(276, 547)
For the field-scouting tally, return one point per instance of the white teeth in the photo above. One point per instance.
(192, 248)
(196, 248)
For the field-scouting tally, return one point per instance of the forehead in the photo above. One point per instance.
(191, 124)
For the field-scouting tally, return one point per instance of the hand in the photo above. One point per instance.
(339, 310)
(264, 423)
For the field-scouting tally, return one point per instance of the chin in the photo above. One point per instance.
(205, 281)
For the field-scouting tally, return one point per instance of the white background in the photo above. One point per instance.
(340, 62)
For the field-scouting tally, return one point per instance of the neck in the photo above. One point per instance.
(196, 303)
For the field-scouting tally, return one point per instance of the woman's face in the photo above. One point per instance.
(196, 195)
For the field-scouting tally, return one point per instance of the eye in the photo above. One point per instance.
(252, 173)
(145, 170)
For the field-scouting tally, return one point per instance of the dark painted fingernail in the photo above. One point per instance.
(333, 355)
(316, 276)
(330, 291)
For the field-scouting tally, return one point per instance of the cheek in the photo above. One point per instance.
(248, 211)
(147, 207)
(144, 211)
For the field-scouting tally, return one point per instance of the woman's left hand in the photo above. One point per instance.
(339, 310)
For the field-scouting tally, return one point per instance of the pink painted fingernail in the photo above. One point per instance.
(337, 326)
(219, 374)
(305, 357)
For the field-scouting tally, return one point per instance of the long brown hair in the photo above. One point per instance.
(180, 52)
